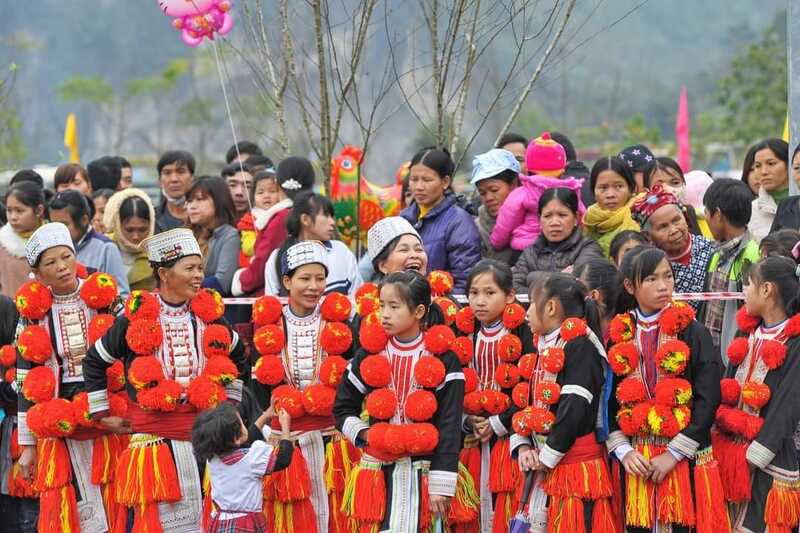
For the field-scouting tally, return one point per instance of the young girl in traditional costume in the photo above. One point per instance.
(666, 394)
(495, 337)
(413, 385)
(61, 447)
(759, 412)
(180, 357)
(561, 399)
(304, 346)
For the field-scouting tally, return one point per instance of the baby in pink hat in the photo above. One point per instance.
(518, 219)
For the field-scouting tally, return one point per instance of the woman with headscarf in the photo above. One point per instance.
(130, 218)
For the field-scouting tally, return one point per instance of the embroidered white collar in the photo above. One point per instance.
(12, 242)
(262, 217)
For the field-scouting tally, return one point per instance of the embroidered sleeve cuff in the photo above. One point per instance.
(759, 455)
(103, 353)
(234, 390)
(550, 457)
(497, 426)
(352, 427)
(683, 444)
(452, 376)
(583, 392)
(442, 483)
(615, 440)
(355, 382)
(518, 440)
(622, 450)
(676, 454)
(24, 435)
(98, 401)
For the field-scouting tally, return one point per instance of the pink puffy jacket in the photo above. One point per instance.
(518, 219)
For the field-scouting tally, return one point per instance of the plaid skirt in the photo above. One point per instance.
(248, 523)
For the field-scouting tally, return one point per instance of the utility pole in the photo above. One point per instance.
(793, 45)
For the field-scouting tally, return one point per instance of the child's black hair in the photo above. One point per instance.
(262, 175)
(622, 238)
(501, 273)
(782, 272)
(573, 296)
(306, 203)
(215, 431)
(415, 290)
(27, 193)
(781, 242)
(639, 263)
(601, 275)
(733, 198)
(614, 164)
(568, 197)
(664, 164)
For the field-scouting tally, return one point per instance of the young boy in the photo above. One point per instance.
(728, 204)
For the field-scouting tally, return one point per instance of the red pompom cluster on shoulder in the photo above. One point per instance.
(208, 306)
(266, 310)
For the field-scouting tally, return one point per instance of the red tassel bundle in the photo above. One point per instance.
(604, 519)
(712, 514)
(565, 515)
(293, 483)
(782, 511)
(734, 471)
(58, 510)
(291, 517)
(146, 519)
(465, 505)
(674, 497)
(53, 469)
(146, 474)
(365, 494)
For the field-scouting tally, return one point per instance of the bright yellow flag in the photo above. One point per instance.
(71, 138)
(785, 135)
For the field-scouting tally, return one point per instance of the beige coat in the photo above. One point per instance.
(764, 209)
(14, 268)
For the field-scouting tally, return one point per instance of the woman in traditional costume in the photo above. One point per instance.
(666, 393)
(304, 346)
(759, 412)
(414, 387)
(180, 357)
(68, 457)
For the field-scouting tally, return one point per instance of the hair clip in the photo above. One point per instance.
(291, 184)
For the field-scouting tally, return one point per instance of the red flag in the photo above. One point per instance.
(682, 129)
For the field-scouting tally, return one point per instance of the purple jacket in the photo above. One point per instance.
(518, 219)
(450, 238)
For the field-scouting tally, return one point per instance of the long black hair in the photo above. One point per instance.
(415, 290)
(501, 274)
(601, 275)
(614, 164)
(573, 296)
(27, 193)
(215, 431)
(639, 263)
(782, 272)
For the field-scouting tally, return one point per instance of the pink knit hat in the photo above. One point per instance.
(545, 157)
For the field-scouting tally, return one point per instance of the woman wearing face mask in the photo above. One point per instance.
(771, 162)
(25, 212)
(667, 173)
(130, 219)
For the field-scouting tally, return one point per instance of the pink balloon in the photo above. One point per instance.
(198, 19)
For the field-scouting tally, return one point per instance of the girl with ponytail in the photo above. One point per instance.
(412, 386)
(562, 397)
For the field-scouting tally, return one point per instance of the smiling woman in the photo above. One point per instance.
(393, 245)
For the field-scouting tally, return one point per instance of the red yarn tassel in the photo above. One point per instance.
(146, 519)
(425, 516)
(58, 510)
(208, 502)
(291, 517)
(712, 515)
(293, 483)
(53, 468)
(734, 470)
(617, 503)
(464, 506)
(503, 469)
(674, 497)
(565, 515)
(603, 517)
(365, 494)
(146, 473)
(782, 510)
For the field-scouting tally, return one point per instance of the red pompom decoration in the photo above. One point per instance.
(472, 403)
(142, 305)
(376, 371)
(623, 358)
(268, 370)
(421, 439)
(572, 328)
(331, 370)
(542, 421)
(336, 338)
(33, 300)
(527, 365)
(98, 327)
(470, 380)
(429, 372)
(39, 384)
(552, 359)
(494, 402)
(738, 422)
(673, 392)
(367, 299)
(59, 418)
(522, 422)
(773, 353)
(682, 415)
(118, 404)
(792, 328)
(99, 290)
(465, 320)
(676, 318)
(34, 344)
(372, 319)
(167, 394)
(35, 419)
(318, 399)
(336, 307)
(547, 392)
(626, 422)
(737, 350)
(221, 370)
(420, 406)
(381, 404)
(147, 399)
(755, 395)
(80, 408)
(372, 337)
(10, 375)
(269, 339)
(464, 349)
(145, 371)
(631, 390)
(441, 282)
(144, 337)
(216, 341)
(266, 310)
(8, 356)
(509, 349)
(521, 395)
(730, 390)
(506, 375)
(746, 322)
(208, 305)
(639, 416)
(289, 399)
(513, 316)
(438, 339)
(622, 328)
(203, 393)
(660, 421)
(449, 309)
(672, 357)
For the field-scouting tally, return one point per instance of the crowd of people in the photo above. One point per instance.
(405, 390)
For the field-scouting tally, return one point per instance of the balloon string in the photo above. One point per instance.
(230, 118)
